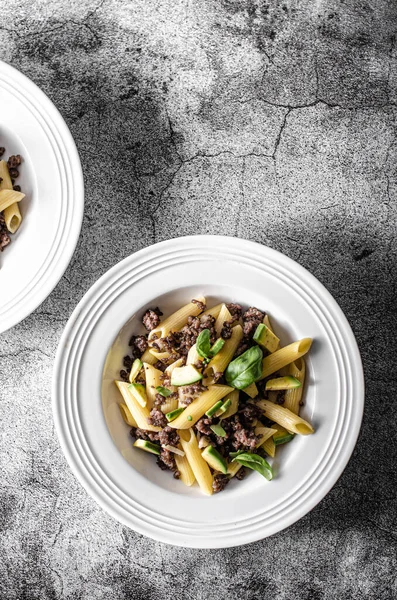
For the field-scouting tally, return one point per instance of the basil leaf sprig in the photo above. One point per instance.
(165, 392)
(203, 345)
(254, 462)
(245, 369)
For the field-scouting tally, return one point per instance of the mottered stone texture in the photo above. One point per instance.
(269, 120)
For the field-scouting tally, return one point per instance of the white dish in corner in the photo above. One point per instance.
(94, 438)
(52, 211)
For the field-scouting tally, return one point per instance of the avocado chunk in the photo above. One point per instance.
(266, 338)
(185, 375)
(282, 437)
(139, 392)
(147, 446)
(174, 414)
(214, 459)
(217, 347)
(211, 411)
(218, 430)
(223, 408)
(283, 383)
(136, 367)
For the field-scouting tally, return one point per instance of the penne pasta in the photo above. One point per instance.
(233, 408)
(285, 417)
(266, 321)
(9, 197)
(220, 361)
(147, 357)
(177, 320)
(186, 474)
(193, 357)
(233, 468)
(12, 214)
(169, 405)
(178, 363)
(214, 311)
(198, 465)
(293, 397)
(224, 315)
(163, 356)
(153, 379)
(269, 447)
(279, 359)
(251, 390)
(265, 433)
(127, 416)
(139, 413)
(5, 179)
(199, 406)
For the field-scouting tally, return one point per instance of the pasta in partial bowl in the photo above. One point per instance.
(209, 391)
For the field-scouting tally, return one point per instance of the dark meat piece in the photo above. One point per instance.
(234, 309)
(203, 426)
(4, 237)
(251, 319)
(249, 413)
(151, 436)
(226, 331)
(127, 362)
(14, 173)
(176, 474)
(151, 318)
(220, 482)
(168, 436)
(188, 335)
(159, 400)
(245, 438)
(14, 161)
(157, 418)
(241, 473)
(140, 343)
(16, 188)
(2, 150)
(160, 366)
(123, 375)
(242, 347)
(167, 459)
(200, 305)
(195, 389)
(240, 432)
(186, 400)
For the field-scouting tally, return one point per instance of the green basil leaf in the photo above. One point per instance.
(245, 369)
(203, 344)
(165, 392)
(256, 463)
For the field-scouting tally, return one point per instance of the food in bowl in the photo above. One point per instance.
(210, 392)
(10, 196)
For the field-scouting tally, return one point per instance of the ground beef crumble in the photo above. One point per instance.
(251, 319)
(220, 482)
(151, 318)
(203, 426)
(166, 460)
(168, 436)
(200, 305)
(235, 310)
(4, 237)
(157, 418)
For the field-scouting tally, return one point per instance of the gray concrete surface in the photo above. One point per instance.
(286, 113)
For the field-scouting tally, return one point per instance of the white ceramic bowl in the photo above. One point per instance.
(52, 210)
(127, 483)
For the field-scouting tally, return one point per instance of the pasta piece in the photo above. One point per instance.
(199, 406)
(5, 181)
(9, 197)
(173, 449)
(147, 357)
(285, 418)
(178, 363)
(163, 356)
(279, 359)
(269, 447)
(293, 397)
(138, 412)
(214, 311)
(233, 408)
(224, 315)
(127, 416)
(186, 474)
(200, 468)
(193, 357)
(169, 405)
(153, 379)
(12, 214)
(177, 320)
(265, 433)
(220, 361)
(251, 390)
(233, 468)
(272, 396)
(266, 321)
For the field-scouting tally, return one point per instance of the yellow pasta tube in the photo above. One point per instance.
(127, 416)
(147, 357)
(220, 361)
(138, 412)
(9, 197)
(284, 356)
(285, 417)
(178, 319)
(233, 468)
(251, 390)
(199, 406)
(169, 405)
(5, 183)
(178, 363)
(12, 217)
(269, 447)
(214, 311)
(200, 468)
(153, 379)
(265, 433)
(224, 315)
(293, 397)
(193, 357)
(186, 474)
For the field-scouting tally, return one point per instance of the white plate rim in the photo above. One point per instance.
(163, 534)
(48, 274)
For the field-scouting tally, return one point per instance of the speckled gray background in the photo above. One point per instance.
(286, 113)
